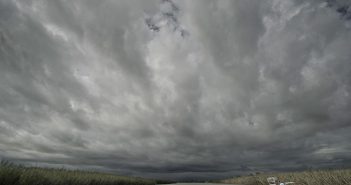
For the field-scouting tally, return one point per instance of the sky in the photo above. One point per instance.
(176, 89)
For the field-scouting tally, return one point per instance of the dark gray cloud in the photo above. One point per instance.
(176, 89)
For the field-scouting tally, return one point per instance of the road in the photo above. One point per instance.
(201, 184)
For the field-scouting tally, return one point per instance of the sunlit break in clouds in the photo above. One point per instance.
(176, 89)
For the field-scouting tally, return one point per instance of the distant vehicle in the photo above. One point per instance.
(275, 181)
(272, 180)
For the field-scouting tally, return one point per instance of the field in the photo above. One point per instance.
(318, 177)
(18, 175)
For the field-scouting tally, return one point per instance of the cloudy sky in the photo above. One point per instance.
(176, 89)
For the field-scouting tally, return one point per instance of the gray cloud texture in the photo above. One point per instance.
(183, 89)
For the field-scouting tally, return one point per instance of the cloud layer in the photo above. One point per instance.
(179, 90)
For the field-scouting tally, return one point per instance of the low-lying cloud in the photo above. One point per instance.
(176, 89)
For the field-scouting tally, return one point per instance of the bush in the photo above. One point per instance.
(17, 175)
(318, 177)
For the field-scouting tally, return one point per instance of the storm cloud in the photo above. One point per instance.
(176, 89)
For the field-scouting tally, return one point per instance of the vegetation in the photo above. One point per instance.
(318, 177)
(18, 175)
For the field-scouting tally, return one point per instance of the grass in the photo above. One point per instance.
(18, 175)
(317, 177)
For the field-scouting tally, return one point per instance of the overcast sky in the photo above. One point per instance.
(179, 90)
